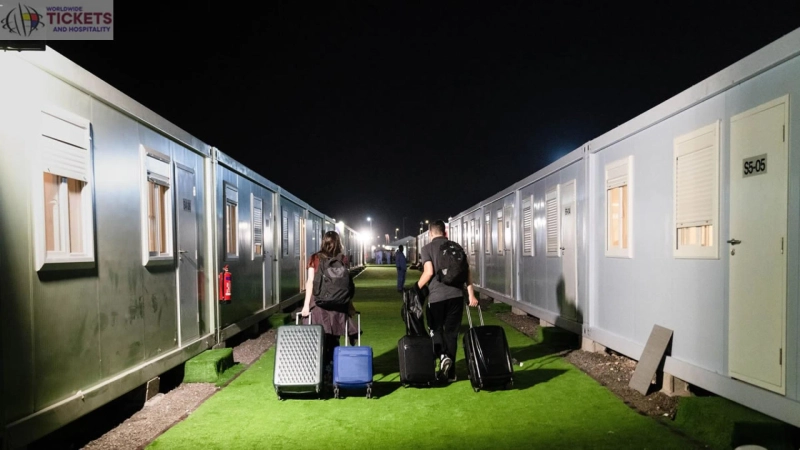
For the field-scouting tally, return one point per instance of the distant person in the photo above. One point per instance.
(378, 257)
(400, 263)
(331, 317)
(446, 302)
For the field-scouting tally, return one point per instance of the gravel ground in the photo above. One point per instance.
(168, 408)
(611, 370)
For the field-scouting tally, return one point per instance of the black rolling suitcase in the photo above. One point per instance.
(488, 358)
(298, 359)
(415, 349)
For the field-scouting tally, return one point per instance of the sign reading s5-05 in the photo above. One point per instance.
(756, 165)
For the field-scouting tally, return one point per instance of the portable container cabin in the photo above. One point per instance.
(684, 217)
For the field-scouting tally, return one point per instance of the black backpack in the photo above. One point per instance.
(453, 266)
(333, 285)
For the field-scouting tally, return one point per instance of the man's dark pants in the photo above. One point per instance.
(401, 279)
(444, 319)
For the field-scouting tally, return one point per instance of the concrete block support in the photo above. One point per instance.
(674, 386)
(152, 388)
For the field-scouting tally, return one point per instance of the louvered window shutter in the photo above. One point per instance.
(695, 182)
(65, 145)
(527, 227)
(157, 166)
(258, 226)
(551, 205)
(296, 234)
(285, 231)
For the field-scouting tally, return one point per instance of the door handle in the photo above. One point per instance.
(734, 241)
(181, 251)
(562, 249)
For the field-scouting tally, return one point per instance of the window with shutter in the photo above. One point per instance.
(472, 236)
(231, 222)
(500, 244)
(285, 231)
(64, 202)
(696, 193)
(527, 226)
(258, 227)
(296, 230)
(553, 219)
(618, 176)
(158, 206)
(487, 238)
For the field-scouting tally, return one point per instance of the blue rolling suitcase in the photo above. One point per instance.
(352, 366)
(298, 359)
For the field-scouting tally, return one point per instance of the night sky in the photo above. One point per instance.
(389, 110)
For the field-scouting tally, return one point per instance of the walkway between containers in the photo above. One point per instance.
(551, 405)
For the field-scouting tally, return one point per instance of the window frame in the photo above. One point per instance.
(698, 251)
(233, 224)
(166, 223)
(54, 137)
(614, 183)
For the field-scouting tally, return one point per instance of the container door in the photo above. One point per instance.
(187, 255)
(569, 252)
(270, 258)
(303, 237)
(508, 248)
(757, 245)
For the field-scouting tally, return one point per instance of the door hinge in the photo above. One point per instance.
(781, 246)
(780, 356)
(784, 133)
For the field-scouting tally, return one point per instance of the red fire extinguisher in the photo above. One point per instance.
(225, 285)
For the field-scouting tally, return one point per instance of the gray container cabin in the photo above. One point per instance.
(684, 217)
(114, 226)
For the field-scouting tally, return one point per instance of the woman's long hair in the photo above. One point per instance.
(331, 244)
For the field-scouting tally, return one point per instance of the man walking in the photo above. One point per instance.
(400, 262)
(446, 303)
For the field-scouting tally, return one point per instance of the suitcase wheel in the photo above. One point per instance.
(476, 389)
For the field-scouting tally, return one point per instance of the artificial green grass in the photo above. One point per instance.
(279, 319)
(208, 366)
(723, 424)
(229, 374)
(552, 403)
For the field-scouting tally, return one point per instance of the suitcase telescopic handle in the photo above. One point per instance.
(347, 333)
(469, 315)
(297, 318)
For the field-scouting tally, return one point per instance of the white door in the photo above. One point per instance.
(569, 250)
(757, 245)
